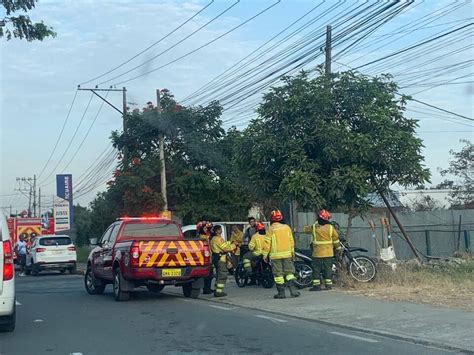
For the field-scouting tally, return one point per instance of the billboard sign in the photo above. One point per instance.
(63, 203)
(62, 218)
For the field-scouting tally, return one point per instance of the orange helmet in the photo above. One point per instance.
(276, 216)
(323, 214)
(259, 226)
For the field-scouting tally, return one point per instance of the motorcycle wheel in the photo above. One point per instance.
(267, 280)
(303, 274)
(239, 274)
(365, 271)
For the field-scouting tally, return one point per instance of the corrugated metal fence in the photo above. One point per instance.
(434, 233)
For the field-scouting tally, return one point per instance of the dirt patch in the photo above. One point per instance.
(440, 283)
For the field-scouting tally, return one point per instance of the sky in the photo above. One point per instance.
(38, 80)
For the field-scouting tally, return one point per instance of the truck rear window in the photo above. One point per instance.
(151, 230)
(55, 241)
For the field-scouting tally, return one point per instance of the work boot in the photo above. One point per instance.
(293, 291)
(315, 288)
(281, 292)
(328, 287)
(207, 291)
(220, 294)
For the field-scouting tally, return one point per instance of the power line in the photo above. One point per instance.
(70, 142)
(150, 46)
(413, 46)
(60, 135)
(202, 46)
(174, 45)
(87, 133)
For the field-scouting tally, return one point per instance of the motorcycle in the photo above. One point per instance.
(360, 267)
(261, 273)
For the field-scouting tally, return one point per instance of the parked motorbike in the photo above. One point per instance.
(261, 273)
(360, 267)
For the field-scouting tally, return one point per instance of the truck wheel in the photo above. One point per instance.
(155, 288)
(190, 292)
(93, 286)
(119, 294)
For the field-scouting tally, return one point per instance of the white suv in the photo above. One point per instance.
(52, 252)
(7, 283)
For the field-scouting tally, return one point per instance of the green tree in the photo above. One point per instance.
(82, 221)
(21, 26)
(199, 174)
(462, 168)
(330, 141)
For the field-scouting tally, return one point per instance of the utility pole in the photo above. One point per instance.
(123, 112)
(39, 201)
(125, 126)
(327, 49)
(162, 157)
(25, 185)
(34, 196)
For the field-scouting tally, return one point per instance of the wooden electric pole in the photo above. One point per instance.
(400, 226)
(39, 202)
(123, 112)
(327, 50)
(162, 157)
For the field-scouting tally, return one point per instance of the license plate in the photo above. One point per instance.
(56, 252)
(171, 272)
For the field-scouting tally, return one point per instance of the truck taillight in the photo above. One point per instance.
(40, 250)
(7, 261)
(207, 253)
(71, 248)
(134, 255)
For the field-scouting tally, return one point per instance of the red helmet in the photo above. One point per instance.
(323, 214)
(276, 216)
(259, 226)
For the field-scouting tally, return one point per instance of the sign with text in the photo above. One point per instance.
(62, 220)
(63, 203)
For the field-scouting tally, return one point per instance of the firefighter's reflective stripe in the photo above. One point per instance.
(322, 242)
(279, 280)
(155, 253)
(283, 246)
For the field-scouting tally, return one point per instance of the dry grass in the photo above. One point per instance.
(439, 284)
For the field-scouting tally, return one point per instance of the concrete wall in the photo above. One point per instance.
(442, 227)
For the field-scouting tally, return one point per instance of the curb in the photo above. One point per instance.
(401, 337)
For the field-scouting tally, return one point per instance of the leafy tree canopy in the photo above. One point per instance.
(330, 141)
(197, 150)
(462, 168)
(20, 26)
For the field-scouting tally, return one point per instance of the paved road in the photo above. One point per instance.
(57, 316)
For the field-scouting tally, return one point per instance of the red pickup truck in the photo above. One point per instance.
(149, 252)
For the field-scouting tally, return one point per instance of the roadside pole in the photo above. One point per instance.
(162, 158)
(39, 202)
(400, 226)
(327, 50)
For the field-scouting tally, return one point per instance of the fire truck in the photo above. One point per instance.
(29, 228)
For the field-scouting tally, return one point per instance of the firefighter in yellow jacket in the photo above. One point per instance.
(204, 233)
(282, 252)
(325, 240)
(257, 247)
(220, 248)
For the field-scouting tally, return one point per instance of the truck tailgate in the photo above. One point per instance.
(177, 253)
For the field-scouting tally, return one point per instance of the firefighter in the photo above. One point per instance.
(220, 248)
(257, 248)
(236, 237)
(204, 233)
(282, 252)
(325, 240)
